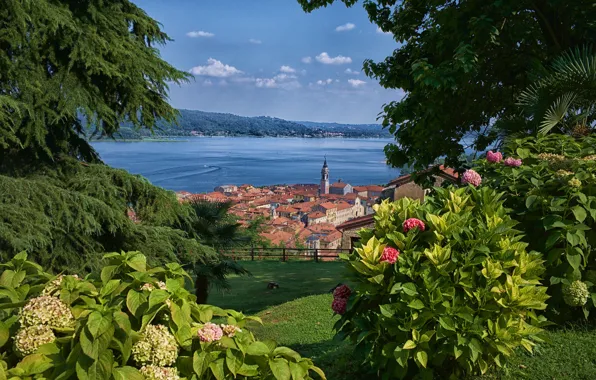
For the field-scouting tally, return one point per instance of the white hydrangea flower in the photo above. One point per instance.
(576, 294)
(48, 311)
(29, 339)
(152, 372)
(230, 330)
(157, 347)
(54, 285)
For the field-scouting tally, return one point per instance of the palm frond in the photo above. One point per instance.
(557, 112)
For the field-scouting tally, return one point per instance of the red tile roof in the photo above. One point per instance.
(356, 223)
(359, 189)
(328, 205)
(343, 206)
(374, 188)
(447, 173)
(316, 215)
(339, 185)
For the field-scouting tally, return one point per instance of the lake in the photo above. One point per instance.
(200, 164)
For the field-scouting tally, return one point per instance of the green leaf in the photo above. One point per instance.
(416, 304)
(280, 369)
(217, 368)
(34, 364)
(100, 369)
(138, 262)
(234, 360)
(110, 287)
(134, 300)
(127, 373)
(573, 239)
(107, 273)
(447, 323)
(200, 362)
(410, 289)
(574, 260)
(157, 297)
(287, 352)
(422, 357)
(98, 323)
(409, 345)
(530, 201)
(297, 372)
(258, 349)
(580, 213)
(4, 334)
(523, 152)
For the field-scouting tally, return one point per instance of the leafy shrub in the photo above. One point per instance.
(553, 196)
(127, 322)
(459, 298)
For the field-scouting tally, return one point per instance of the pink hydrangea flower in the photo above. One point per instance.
(471, 177)
(210, 332)
(339, 305)
(510, 161)
(413, 223)
(494, 156)
(342, 291)
(389, 255)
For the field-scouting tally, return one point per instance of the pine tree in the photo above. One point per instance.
(66, 67)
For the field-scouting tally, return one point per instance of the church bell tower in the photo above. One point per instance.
(324, 188)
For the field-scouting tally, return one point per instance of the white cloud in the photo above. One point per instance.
(324, 82)
(283, 81)
(255, 41)
(215, 68)
(199, 33)
(208, 82)
(351, 72)
(345, 27)
(356, 83)
(327, 60)
(380, 31)
(287, 69)
(307, 59)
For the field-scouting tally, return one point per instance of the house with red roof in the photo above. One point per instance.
(340, 188)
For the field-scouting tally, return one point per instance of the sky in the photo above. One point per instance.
(270, 58)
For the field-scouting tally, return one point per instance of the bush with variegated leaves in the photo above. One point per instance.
(129, 322)
(444, 288)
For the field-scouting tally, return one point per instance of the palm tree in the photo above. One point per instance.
(564, 97)
(214, 226)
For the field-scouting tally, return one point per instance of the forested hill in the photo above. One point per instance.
(199, 123)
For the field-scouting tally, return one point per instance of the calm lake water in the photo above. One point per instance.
(201, 164)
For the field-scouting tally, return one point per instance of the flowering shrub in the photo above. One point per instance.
(413, 223)
(494, 156)
(127, 322)
(461, 296)
(472, 178)
(553, 196)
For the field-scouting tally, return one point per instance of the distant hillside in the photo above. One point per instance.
(375, 129)
(199, 123)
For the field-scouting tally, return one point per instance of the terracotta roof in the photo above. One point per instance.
(339, 185)
(359, 189)
(374, 188)
(351, 196)
(285, 209)
(356, 223)
(280, 220)
(447, 173)
(304, 207)
(322, 227)
(316, 215)
(335, 235)
(343, 206)
(328, 205)
(278, 237)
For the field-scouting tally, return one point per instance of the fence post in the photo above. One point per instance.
(316, 255)
(283, 258)
(252, 253)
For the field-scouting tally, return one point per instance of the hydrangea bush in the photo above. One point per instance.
(129, 322)
(553, 196)
(454, 296)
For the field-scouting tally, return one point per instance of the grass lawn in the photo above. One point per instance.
(295, 278)
(294, 317)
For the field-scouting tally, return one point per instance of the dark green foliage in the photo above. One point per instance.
(61, 59)
(66, 217)
(462, 65)
(553, 197)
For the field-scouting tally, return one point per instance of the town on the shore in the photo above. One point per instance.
(312, 216)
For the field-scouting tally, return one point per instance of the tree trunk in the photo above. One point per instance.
(202, 289)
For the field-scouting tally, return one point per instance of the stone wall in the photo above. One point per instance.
(346, 235)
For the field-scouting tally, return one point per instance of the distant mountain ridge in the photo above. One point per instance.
(200, 123)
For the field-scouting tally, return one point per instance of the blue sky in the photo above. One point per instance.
(268, 57)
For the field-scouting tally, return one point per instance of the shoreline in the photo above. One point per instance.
(189, 138)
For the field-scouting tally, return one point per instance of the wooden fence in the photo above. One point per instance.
(285, 254)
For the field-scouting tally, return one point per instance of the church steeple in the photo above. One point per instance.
(324, 188)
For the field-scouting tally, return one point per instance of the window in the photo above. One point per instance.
(354, 241)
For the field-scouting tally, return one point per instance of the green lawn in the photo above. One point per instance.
(296, 279)
(294, 317)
